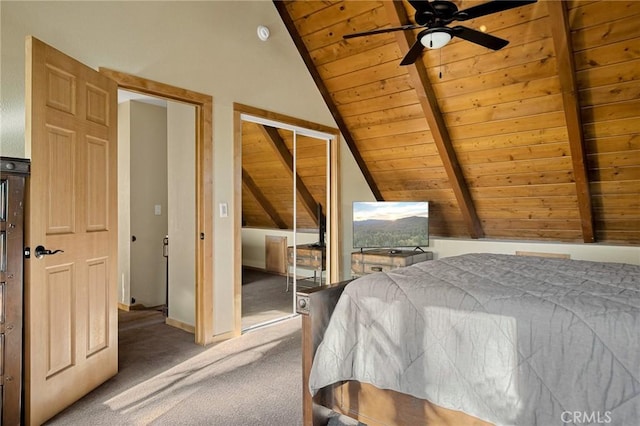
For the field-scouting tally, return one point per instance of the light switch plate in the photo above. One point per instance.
(157, 210)
(223, 210)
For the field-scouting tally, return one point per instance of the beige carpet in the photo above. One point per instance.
(165, 379)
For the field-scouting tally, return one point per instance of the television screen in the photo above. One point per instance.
(387, 224)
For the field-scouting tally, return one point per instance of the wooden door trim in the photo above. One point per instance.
(334, 261)
(204, 188)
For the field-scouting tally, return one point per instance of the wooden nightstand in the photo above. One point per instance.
(383, 260)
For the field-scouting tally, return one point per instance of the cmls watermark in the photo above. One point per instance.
(586, 417)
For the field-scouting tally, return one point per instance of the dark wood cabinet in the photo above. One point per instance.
(13, 176)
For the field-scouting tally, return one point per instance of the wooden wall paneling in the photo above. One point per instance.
(507, 141)
(610, 54)
(530, 152)
(328, 16)
(361, 105)
(361, 61)
(588, 14)
(376, 89)
(399, 141)
(309, 204)
(402, 151)
(613, 74)
(482, 97)
(494, 79)
(378, 72)
(505, 111)
(511, 125)
(390, 113)
(624, 28)
(505, 59)
(521, 178)
(267, 207)
(428, 100)
(326, 95)
(343, 48)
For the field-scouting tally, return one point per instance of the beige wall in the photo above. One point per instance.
(181, 173)
(253, 244)
(148, 190)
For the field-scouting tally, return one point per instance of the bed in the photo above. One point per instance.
(476, 339)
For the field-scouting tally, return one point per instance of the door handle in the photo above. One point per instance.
(42, 252)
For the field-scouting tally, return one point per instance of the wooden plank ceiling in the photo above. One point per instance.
(536, 141)
(267, 177)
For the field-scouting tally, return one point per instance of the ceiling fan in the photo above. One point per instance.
(434, 16)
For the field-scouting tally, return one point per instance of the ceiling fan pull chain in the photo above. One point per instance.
(440, 74)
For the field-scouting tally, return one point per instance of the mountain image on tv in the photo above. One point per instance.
(389, 224)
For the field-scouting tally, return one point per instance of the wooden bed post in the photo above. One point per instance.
(316, 306)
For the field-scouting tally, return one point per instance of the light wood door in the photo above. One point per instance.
(70, 297)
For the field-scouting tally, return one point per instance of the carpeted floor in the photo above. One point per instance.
(264, 297)
(165, 379)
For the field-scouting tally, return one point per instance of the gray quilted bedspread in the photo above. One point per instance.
(512, 340)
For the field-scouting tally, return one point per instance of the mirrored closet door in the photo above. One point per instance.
(285, 204)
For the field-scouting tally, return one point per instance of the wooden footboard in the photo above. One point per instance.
(359, 401)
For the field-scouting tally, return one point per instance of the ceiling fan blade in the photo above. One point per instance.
(489, 8)
(382, 30)
(413, 54)
(483, 39)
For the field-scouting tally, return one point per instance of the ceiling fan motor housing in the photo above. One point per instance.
(438, 12)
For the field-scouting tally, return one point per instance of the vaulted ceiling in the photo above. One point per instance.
(539, 140)
(267, 177)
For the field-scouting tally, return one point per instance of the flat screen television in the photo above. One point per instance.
(390, 224)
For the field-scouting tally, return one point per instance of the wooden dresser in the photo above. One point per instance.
(13, 175)
(383, 260)
(308, 256)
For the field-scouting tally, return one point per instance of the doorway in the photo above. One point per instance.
(156, 190)
(203, 328)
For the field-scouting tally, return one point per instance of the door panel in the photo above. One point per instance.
(70, 296)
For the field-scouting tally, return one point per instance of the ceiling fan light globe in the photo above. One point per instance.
(435, 39)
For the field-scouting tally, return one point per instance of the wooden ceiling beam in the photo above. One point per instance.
(248, 181)
(428, 101)
(326, 95)
(308, 201)
(559, 20)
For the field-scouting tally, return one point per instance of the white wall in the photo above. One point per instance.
(253, 244)
(446, 247)
(182, 211)
(148, 186)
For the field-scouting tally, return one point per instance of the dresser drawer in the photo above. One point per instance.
(369, 262)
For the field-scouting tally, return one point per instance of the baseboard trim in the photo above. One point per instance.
(181, 325)
(255, 268)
